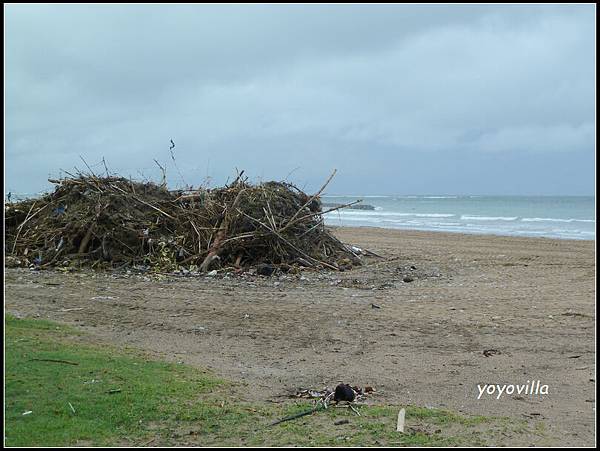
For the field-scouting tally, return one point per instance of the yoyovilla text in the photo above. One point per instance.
(532, 388)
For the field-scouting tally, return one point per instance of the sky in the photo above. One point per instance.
(430, 99)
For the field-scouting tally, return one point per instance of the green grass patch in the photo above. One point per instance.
(82, 394)
(105, 396)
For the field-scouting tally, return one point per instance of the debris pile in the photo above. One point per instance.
(342, 393)
(112, 222)
(354, 392)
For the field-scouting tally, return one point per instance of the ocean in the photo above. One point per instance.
(565, 217)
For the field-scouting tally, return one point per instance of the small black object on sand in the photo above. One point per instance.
(265, 269)
(343, 392)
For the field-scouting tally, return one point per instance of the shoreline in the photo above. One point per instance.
(452, 233)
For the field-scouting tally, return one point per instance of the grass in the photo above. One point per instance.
(121, 397)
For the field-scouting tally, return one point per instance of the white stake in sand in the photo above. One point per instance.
(400, 426)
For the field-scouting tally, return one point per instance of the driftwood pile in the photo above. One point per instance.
(112, 222)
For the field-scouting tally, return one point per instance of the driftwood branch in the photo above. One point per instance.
(308, 202)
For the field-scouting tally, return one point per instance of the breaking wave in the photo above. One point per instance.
(488, 218)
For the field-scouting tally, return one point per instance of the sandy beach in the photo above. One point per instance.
(426, 324)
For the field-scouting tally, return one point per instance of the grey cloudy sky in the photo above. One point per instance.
(400, 99)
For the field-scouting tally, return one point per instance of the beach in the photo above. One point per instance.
(426, 323)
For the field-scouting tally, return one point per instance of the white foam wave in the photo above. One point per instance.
(352, 196)
(377, 212)
(440, 197)
(556, 220)
(488, 218)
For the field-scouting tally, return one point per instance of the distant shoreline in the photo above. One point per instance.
(437, 233)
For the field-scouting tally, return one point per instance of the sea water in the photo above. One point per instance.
(567, 217)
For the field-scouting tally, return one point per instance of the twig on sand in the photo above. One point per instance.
(368, 252)
(355, 410)
(321, 405)
(299, 415)
(55, 361)
(349, 406)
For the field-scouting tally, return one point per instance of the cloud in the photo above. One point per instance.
(539, 139)
(271, 88)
